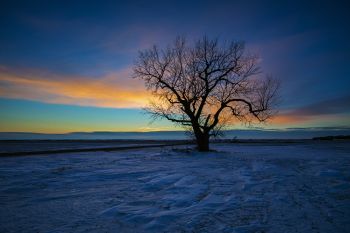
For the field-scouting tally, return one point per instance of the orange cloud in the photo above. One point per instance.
(115, 90)
(295, 118)
(285, 119)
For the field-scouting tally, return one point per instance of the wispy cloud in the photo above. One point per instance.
(331, 106)
(335, 111)
(119, 90)
(116, 90)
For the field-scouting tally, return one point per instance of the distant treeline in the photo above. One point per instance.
(339, 137)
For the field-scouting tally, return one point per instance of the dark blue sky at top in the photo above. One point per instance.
(303, 43)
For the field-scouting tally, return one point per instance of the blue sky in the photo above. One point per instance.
(66, 66)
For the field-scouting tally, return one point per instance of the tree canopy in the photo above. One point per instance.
(206, 85)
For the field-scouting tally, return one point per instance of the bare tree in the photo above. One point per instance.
(206, 85)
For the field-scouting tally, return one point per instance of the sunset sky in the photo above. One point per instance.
(67, 66)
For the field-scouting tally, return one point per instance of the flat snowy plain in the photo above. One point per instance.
(267, 187)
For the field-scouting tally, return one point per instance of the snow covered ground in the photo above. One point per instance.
(301, 187)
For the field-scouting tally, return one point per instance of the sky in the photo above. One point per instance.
(66, 66)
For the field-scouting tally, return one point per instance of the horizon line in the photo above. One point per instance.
(327, 128)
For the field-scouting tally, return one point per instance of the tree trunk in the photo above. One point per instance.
(203, 142)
